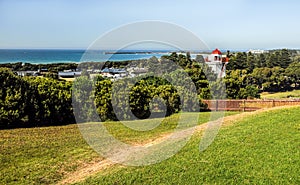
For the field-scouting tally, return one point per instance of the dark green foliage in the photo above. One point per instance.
(143, 93)
(52, 75)
(238, 61)
(19, 66)
(251, 62)
(261, 62)
(124, 100)
(83, 99)
(103, 96)
(292, 72)
(54, 101)
(34, 101)
(238, 85)
(285, 59)
(55, 67)
(270, 79)
(272, 72)
(13, 99)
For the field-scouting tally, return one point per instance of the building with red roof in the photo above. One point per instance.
(217, 62)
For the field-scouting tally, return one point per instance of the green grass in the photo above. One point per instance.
(281, 95)
(168, 124)
(261, 149)
(41, 155)
(44, 155)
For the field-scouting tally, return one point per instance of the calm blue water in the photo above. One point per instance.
(65, 56)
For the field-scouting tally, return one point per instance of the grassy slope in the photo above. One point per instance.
(281, 95)
(262, 149)
(45, 155)
(40, 155)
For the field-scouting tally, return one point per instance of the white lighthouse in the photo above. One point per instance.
(217, 62)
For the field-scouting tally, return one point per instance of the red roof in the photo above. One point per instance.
(216, 51)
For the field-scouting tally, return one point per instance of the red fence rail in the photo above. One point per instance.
(246, 105)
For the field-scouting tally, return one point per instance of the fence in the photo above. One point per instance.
(246, 105)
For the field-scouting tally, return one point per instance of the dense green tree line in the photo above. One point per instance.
(133, 98)
(19, 66)
(55, 67)
(36, 101)
(275, 71)
(249, 61)
(33, 101)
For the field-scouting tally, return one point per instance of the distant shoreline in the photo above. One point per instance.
(46, 56)
(71, 56)
(55, 56)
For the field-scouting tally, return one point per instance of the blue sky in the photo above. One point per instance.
(230, 24)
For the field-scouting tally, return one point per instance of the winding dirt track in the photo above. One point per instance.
(90, 169)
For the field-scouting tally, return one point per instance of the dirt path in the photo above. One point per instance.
(90, 169)
(86, 171)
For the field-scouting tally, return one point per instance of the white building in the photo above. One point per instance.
(257, 51)
(217, 62)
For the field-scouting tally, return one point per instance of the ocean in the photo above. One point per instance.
(70, 56)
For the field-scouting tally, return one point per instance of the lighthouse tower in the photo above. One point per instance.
(217, 62)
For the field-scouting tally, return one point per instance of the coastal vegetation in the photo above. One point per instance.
(251, 150)
(44, 101)
(33, 101)
(275, 71)
(56, 67)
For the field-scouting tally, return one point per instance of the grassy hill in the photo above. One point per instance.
(46, 155)
(260, 149)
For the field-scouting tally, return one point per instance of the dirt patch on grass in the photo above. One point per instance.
(86, 170)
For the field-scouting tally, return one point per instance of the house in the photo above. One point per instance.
(114, 73)
(27, 73)
(70, 74)
(257, 51)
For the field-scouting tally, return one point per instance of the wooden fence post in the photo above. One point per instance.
(244, 105)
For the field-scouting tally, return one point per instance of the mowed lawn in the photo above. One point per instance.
(46, 155)
(281, 95)
(263, 148)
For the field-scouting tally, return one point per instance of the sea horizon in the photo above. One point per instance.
(59, 55)
(48, 56)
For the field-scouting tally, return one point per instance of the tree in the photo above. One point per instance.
(103, 96)
(238, 87)
(54, 100)
(262, 61)
(34, 101)
(285, 59)
(293, 74)
(83, 96)
(13, 99)
(52, 75)
(238, 61)
(251, 62)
